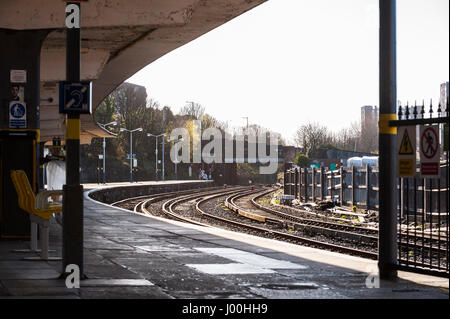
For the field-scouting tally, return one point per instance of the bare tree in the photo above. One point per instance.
(310, 136)
(194, 110)
(130, 103)
(348, 137)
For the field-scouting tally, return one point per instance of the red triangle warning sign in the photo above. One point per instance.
(406, 147)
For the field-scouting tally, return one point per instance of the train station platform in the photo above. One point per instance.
(128, 255)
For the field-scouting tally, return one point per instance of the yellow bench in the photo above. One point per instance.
(39, 209)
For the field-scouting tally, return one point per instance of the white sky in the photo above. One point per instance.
(289, 62)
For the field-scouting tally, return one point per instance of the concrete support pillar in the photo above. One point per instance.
(19, 135)
(20, 53)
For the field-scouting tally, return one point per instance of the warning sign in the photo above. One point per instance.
(429, 151)
(406, 146)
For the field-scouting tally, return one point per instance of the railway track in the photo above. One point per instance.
(189, 207)
(431, 246)
(403, 231)
(134, 203)
(273, 231)
(168, 207)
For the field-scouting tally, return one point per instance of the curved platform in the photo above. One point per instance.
(129, 255)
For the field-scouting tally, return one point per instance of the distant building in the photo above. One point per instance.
(443, 100)
(369, 116)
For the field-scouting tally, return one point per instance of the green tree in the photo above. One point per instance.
(302, 160)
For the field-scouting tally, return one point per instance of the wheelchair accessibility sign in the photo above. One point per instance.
(17, 114)
(75, 98)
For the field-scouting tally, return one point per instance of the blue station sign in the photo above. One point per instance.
(75, 97)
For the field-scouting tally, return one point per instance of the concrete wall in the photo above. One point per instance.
(111, 195)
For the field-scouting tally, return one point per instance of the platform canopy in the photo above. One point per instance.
(119, 38)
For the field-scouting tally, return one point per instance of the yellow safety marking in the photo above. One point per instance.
(383, 124)
(73, 129)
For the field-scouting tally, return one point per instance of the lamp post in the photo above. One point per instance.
(131, 148)
(246, 117)
(103, 126)
(176, 158)
(156, 152)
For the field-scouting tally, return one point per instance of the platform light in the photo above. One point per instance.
(122, 129)
(103, 126)
(156, 152)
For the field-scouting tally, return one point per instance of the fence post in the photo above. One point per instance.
(424, 201)
(353, 185)
(290, 182)
(322, 183)
(306, 184)
(367, 187)
(341, 191)
(331, 184)
(295, 183)
(300, 184)
(313, 180)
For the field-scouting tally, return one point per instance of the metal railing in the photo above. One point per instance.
(422, 208)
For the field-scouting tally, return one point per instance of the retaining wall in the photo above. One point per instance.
(114, 194)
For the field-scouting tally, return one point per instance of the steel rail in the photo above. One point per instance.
(303, 240)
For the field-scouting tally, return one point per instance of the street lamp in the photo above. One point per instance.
(156, 153)
(246, 117)
(176, 157)
(131, 148)
(103, 126)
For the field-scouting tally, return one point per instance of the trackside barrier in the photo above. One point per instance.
(423, 210)
(349, 187)
(40, 212)
(422, 206)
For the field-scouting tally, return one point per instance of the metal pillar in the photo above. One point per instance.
(104, 160)
(131, 157)
(164, 131)
(156, 159)
(73, 191)
(387, 259)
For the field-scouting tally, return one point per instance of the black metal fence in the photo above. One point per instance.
(423, 212)
(423, 203)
